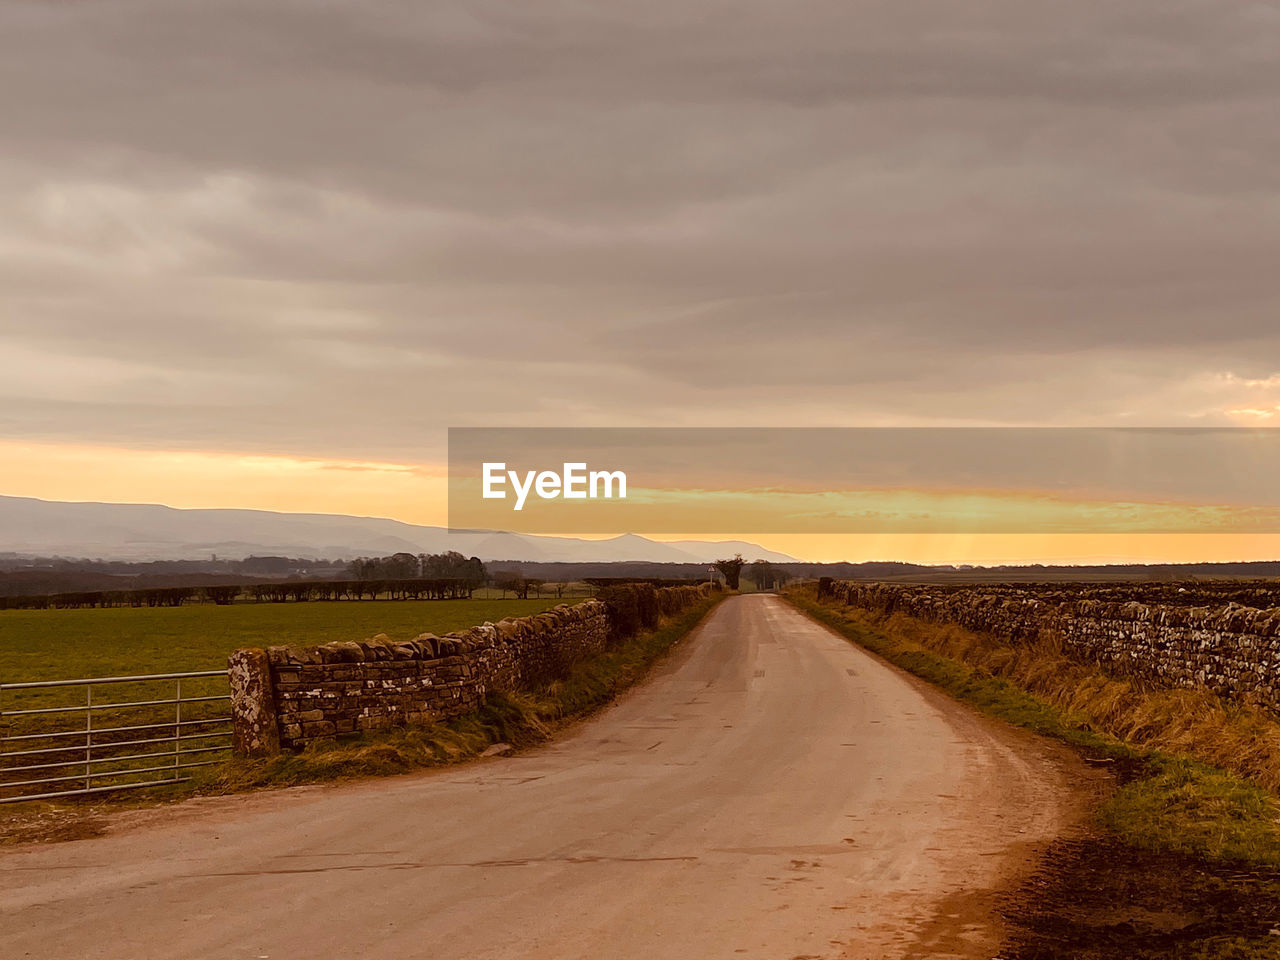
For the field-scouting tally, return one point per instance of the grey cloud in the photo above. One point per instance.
(355, 224)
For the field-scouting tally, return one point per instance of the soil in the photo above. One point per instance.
(30, 823)
(1095, 898)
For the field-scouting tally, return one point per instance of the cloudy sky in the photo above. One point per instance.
(261, 235)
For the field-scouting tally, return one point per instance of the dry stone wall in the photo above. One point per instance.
(1229, 648)
(290, 696)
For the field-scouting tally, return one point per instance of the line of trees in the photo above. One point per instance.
(276, 591)
(419, 588)
(402, 576)
(767, 576)
(150, 597)
(522, 586)
(423, 566)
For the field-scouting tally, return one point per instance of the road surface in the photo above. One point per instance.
(769, 792)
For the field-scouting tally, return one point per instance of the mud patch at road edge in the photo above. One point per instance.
(1096, 898)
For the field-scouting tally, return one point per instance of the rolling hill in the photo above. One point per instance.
(148, 531)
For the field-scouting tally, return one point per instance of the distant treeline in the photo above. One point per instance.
(277, 591)
(20, 576)
(269, 566)
(407, 566)
(765, 575)
(63, 583)
(52, 582)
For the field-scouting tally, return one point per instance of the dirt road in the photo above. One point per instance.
(771, 792)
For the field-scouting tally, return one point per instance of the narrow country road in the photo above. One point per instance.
(770, 792)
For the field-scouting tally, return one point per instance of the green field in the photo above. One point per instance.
(43, 645)
(63, 644)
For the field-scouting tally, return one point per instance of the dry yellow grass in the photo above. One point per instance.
(1194, 723)
(1169, 799)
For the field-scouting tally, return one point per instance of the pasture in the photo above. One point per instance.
(60, 644)
(134, 724)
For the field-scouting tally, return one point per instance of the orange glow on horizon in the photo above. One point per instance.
(417, 493)
(414, 493)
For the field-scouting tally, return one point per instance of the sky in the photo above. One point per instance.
(265, 254)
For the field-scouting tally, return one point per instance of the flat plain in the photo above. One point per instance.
(114, 641)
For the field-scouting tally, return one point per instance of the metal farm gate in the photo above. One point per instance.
(66, 738)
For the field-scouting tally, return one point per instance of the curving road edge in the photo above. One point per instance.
(770, 791)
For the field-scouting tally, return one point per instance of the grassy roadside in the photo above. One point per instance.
(1185, 857)
(519, 720)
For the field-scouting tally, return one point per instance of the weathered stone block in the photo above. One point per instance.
(255, 731)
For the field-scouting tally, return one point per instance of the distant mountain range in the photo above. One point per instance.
(148, 531)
